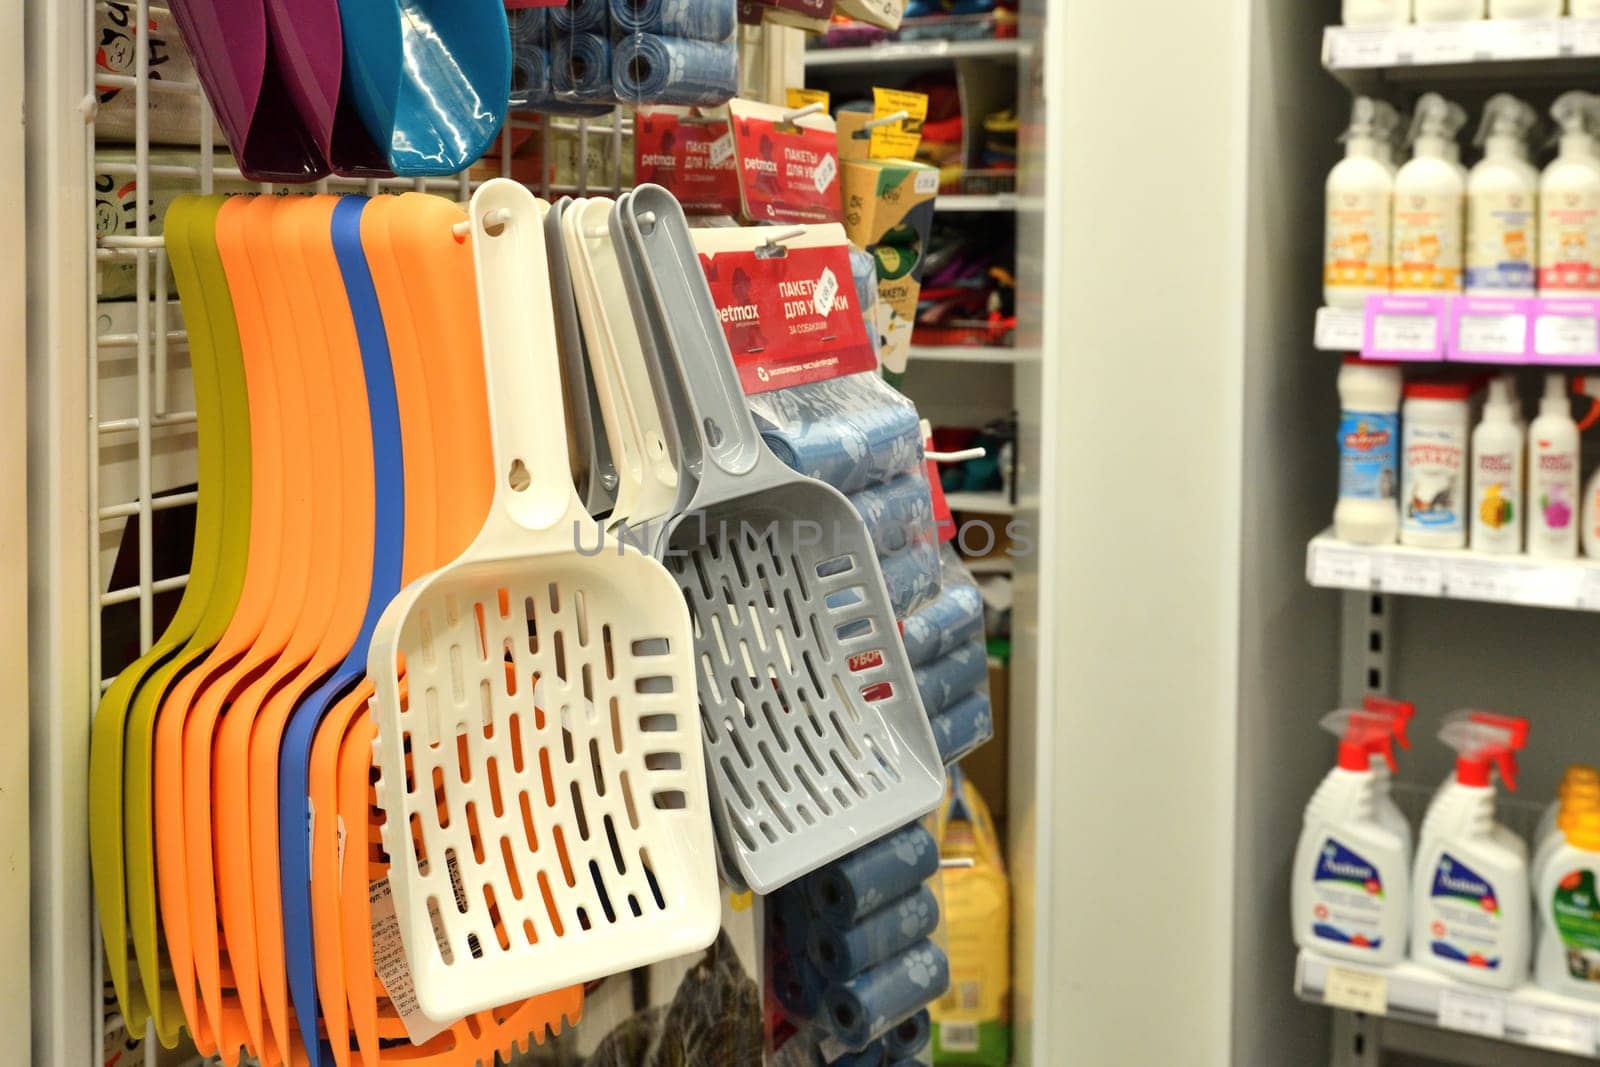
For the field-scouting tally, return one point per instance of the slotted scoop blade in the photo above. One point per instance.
(816, 740)
(592, 741)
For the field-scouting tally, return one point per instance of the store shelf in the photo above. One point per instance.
(995, 202)
(1466, 329)
(984, 503)
(1410, 992)
(914, 53)
(1453, 574)
(963, 354)
(989, 565)
(1499, 49)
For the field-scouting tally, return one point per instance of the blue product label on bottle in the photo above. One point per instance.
(1347, 898)
(1509, 277)
(1464, 921)
(1367, 455)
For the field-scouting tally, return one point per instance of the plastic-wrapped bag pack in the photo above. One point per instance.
(586, 56)
(945, 644)
(863, 438)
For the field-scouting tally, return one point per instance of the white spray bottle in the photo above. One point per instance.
(1375, 12)
(1553, 503)
(1449, 10)
(1351, 883)
(1468, 916)
(1429, 202)
(1360, 206)
(1497, 482)
(1569, 204)
(1502, 203)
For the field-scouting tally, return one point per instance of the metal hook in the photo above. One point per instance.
(785, 235)
(956, 457)
(800, 113)
(497, 217)
(886, 120)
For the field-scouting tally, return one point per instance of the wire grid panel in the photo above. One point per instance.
(141, 417)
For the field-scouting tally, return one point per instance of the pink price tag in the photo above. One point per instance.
(1490, 329)
(1406, 327)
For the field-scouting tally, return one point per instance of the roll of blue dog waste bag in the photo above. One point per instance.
(851, 451)
(953, 618)
(873, 1055)
(790, 919)
(891, 990)
(862, 882)
(580, 68)
(579, 16)
(647, 69)
(798, 987)
(911, 576)
(893, 928)
(951, 677)
(908, 1037)
(701, 20)
(962, 727)
(896, 513)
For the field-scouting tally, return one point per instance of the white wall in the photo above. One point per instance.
(1147, 332)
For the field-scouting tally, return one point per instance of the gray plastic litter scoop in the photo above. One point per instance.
(816, 741)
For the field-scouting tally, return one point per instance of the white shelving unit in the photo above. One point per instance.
(961, 203)
(981, 503)
(1453, 574)
(1409, 992)
(1504, 49)
(916, 53)
(965, 354)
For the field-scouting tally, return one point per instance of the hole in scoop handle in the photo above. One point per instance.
(673, 279)
(527, 420)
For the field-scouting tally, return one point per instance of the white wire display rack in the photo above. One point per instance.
(119, 371)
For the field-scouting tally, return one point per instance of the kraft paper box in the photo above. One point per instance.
(888, 200)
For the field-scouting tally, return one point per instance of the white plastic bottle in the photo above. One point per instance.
(1429, 203)
(1553, 475)
(1591, 516)
(1360, 206)
(1567, 894)
(1497, 484)
(1375, 12)
(1369, 447)
(1469, 885)
(1399, 713)
(1351, 883)
(1448, 10)
(1579, 791)
(1502, 203)
(1435, 431)
(1569, 205)
(1524, 9)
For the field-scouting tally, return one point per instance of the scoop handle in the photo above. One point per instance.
(672, 277)
(527, 418)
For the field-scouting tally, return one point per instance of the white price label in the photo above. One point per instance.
(1472, 579)
(822, 177)
(824, 292)
(1545, 587)
(721, 149)
(925, 183)
(1338, 568)
(1517, 39)
(1405, 333)
(1357, 48)
(1561, 1032)
(1356, 991)
(1339, 329)
(1493, 335)
(1445, 42)
(1566, 335)
(1580, 37)
(1412, 576)
(1589, 590)
(1471, 1013)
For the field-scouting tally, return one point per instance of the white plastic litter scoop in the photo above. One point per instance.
(601, 269)
(542, 782)
(816, 740)
(621, 428)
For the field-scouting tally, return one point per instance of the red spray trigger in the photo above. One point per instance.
(1400, 713)
(1362, 734)
(1485, 740)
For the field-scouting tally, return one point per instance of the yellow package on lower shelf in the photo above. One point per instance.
(972, 1022)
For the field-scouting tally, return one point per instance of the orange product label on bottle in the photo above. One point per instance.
(1427, 243)
(1357, 249)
